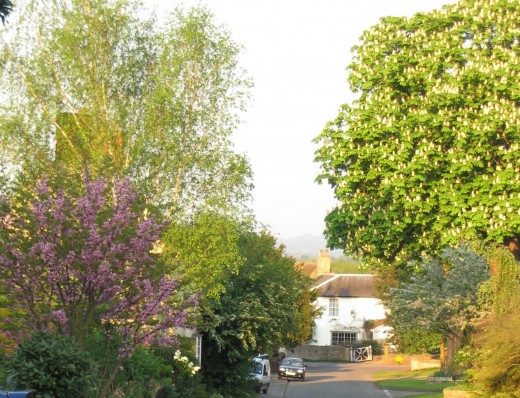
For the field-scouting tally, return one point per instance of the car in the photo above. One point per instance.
(292, 368)
(261, 372)
(14, 394)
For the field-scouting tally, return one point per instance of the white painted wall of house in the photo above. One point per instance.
(353, 311)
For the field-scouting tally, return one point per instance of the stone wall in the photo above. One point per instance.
(422, 362)
(456, 394)
(341, 353)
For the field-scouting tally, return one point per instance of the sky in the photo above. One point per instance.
(296, 52)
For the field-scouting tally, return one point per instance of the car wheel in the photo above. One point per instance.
(265, 389)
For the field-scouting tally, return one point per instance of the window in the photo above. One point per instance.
(340, 338)
(333, 307)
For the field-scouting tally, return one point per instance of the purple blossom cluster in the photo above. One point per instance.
(69, 263)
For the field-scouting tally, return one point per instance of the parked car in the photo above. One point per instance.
(14, 394)
(261, 372)
(292, 368)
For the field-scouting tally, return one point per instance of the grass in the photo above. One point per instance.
(408, 374)
(411, 381)
(413, 385)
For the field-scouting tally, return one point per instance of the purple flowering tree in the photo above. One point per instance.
(71, 263)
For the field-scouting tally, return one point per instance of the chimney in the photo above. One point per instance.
(323, 262)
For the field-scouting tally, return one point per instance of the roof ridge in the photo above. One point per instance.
(334, 276)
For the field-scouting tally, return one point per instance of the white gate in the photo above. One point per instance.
(361, 354)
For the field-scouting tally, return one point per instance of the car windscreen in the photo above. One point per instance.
(256, 369)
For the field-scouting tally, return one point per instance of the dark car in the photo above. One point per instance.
(292, 368)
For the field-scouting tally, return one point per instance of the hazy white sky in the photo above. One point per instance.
(296, 51)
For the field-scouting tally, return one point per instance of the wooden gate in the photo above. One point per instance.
(361, 354)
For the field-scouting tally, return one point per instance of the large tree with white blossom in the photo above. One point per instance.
(429, 151)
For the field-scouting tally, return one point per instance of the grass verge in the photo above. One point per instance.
(411, 381)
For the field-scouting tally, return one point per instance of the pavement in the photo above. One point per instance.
(277, 387)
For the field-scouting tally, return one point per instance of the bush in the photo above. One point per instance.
(166, 392)
(140, 374)
(53, 366)
(377, 347)
(497, 341)
(498, 353)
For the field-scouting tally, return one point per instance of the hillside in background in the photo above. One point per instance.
(307, 245)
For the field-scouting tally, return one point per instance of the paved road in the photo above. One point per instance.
(336, 380)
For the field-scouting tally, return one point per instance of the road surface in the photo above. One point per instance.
(336, 380)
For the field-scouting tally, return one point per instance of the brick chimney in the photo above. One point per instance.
(323, 262)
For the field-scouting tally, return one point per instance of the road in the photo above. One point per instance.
(336, 380)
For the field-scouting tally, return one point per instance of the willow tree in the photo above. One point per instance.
(428, 153)
(96, 85)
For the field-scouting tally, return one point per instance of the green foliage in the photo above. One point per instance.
(266, 304)
(418, 341)
(377, 347)
(97, 84)
(16, 321)
(428, 153)
(498, 352)
(505, 279)
(166, 392)
(140, 374)
(53, 366)
(348, 266)
(441, 297)
(496, 344)
(203, 252)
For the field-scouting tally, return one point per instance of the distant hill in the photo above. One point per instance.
(307, 245)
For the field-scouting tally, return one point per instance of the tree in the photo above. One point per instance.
(203, 252)
(428, 154)
(77, 263)
(94, 85)
(265, 305)
(441, 297)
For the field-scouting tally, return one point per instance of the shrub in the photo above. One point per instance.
(498, 353)
(377, 347)
(166, 392)
(53, 366)
(497, 341)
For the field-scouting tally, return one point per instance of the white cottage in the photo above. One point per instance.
(348, 300)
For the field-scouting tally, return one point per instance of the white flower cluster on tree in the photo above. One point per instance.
(428, 153)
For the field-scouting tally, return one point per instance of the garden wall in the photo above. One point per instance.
(341, 353)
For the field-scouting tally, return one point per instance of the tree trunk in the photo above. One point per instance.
(109, 384)
(442, 356)
(454, 343)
